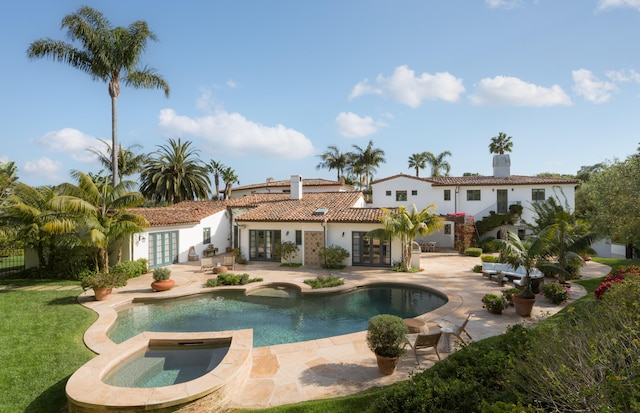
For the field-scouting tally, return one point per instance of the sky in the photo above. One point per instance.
(266, 86)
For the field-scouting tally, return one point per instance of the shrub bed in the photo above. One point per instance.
(231, 279)
(324, 281)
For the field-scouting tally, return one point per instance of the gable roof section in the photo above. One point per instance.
(484, 180)
(186, 212)
(286, 184)
(340, 207)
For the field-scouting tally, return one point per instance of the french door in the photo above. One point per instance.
(262, 244)
(163, 248)
(370, 250)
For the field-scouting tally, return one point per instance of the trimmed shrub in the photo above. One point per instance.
(333, 256)
(231, 279)
(473, 252)
(324, 281)
(489, 258)
(161, 274)
(131, 268)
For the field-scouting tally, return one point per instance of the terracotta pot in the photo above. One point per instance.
(102, 293)
(163, 285)
(523, 306)
(387, 365)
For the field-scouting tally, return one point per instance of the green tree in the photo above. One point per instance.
(229, 178)
(30, 217)
(418, 161)
(107, 54)
(216, 168)
(129, 162)
(609, 200)
(102, 215)
(332, 158)
(8, 178)
(407, 225)
(438, 163)
(369, 159)
(175, 173)
(500, 144)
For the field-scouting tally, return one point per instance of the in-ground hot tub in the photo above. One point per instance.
(160, 372)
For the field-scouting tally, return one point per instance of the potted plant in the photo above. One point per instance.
(103, 283)
(526, 254)
(162, 279)
(509, 293)
(494, 303)
(386, 338)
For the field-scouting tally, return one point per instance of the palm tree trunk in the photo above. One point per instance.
(114, 137)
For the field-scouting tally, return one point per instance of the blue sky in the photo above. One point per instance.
(266, 86)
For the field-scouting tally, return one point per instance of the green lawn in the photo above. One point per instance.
(40, 345)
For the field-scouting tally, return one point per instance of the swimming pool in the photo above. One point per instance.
(276, 318)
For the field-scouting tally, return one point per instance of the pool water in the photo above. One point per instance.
(158, 367)
(277, 319)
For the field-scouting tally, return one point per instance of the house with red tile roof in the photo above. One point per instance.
(257, 223)
(475, 196)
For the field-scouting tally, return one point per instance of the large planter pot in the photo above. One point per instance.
(102, 293)
(387, 365)
(523, 306)
(163, 285)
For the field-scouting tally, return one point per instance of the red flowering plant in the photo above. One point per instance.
(465, 229)
(617, 276)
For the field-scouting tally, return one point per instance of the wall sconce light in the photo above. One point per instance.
(342, 234)
(287, 233)
(139, 238)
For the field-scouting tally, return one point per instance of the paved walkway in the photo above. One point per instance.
(341, 365)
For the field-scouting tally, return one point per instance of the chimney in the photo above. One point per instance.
(296, 187)
(501, 166)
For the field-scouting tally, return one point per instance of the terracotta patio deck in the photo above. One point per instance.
(341, 365)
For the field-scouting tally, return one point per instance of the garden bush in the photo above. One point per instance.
(131, 268)
(231, 279)
(488, 258)
(332, 256)
(473, 252)
(555, 292)
(324, 281)
(589, 358)
(477, 268)
(616, 276)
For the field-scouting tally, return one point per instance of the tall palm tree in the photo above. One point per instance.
(418, 161)
(407, 225)
(500, 144)
(216, 168)
(332, 158)
(107, 54)
(229, 178)
(102, 215)
(8, 178)
(369, 158)
(175, 173)
(438, 163)
(129, 162)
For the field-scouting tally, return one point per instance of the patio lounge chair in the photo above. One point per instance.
(418, 341)
(206, 263)
(459, 329)
(229, 262)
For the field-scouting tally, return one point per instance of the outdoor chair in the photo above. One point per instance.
(229, 262)
(459, 329)
(206, 263)
(421, 341)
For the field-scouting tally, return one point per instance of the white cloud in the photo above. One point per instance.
(232, 84)
(623, 76)
(504, 90)
(45, 168)
(618, 4)
(406, 88)
(351, 125)
(70, 141)
(503, 4)
(591, 88)
(233, 134)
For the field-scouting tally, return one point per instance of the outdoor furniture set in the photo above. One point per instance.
(502, 273)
